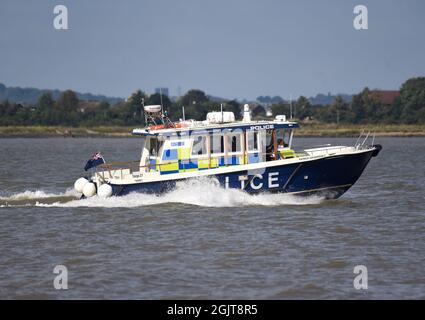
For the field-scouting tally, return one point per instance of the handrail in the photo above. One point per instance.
(360, 144)
(116, 163)
(358, 139)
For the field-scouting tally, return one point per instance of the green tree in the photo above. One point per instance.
(233, 106)
(302, 108)
(45, 102)
(339, 111)
(394, 111)
(281, 108)
(156, 99)
(131, 111)
(137, 98)
(412, 94)
(358, 106)
(68, 101)
(193, 97)
(258, 112)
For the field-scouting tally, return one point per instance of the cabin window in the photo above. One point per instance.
(269, 138)
(154, 146)
(252, 141)
(217, 144)
(199, 145)
(235, 143)
(283, 138)
(270, 145)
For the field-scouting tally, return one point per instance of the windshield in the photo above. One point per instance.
(154, 146)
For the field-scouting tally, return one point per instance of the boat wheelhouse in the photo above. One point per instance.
(254, 156)
(209, 147)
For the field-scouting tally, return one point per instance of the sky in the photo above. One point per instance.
(228, 48)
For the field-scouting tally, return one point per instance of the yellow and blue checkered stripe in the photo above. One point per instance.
(178, 160)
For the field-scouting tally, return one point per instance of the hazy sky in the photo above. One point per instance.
(228, 48)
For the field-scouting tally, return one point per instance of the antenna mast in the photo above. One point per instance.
(290, 106)
(143, 104)
(160, 96)
(222, 118)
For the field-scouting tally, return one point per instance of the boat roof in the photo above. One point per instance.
(199, 128)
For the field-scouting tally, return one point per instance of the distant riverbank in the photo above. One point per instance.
(351, 130)
(306, 130)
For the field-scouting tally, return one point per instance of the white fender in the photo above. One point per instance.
(104, 191)
(89, 189)
(79, 184)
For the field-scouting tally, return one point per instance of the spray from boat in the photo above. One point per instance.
(217, 196)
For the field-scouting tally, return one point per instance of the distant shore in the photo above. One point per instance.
(306, 130)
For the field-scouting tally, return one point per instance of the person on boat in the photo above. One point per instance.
(283, 150)
(281, 144)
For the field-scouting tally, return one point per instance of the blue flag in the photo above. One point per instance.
(94, 161)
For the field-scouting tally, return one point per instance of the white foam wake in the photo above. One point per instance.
(38, 194)
(200, 192)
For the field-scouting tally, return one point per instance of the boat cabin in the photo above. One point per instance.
(200, 147)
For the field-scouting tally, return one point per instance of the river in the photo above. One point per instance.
(201, 241)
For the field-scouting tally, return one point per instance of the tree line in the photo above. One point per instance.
(365, 107)
(69, 110)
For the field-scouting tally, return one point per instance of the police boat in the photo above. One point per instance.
(253, 156)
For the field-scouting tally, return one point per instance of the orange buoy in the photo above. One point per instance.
(157, 127)
(163, 126)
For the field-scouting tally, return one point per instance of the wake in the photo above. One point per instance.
(28, 198)
(197, 192)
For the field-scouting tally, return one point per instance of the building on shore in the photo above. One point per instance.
(385, 96)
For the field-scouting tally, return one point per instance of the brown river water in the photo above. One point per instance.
(200, 241)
